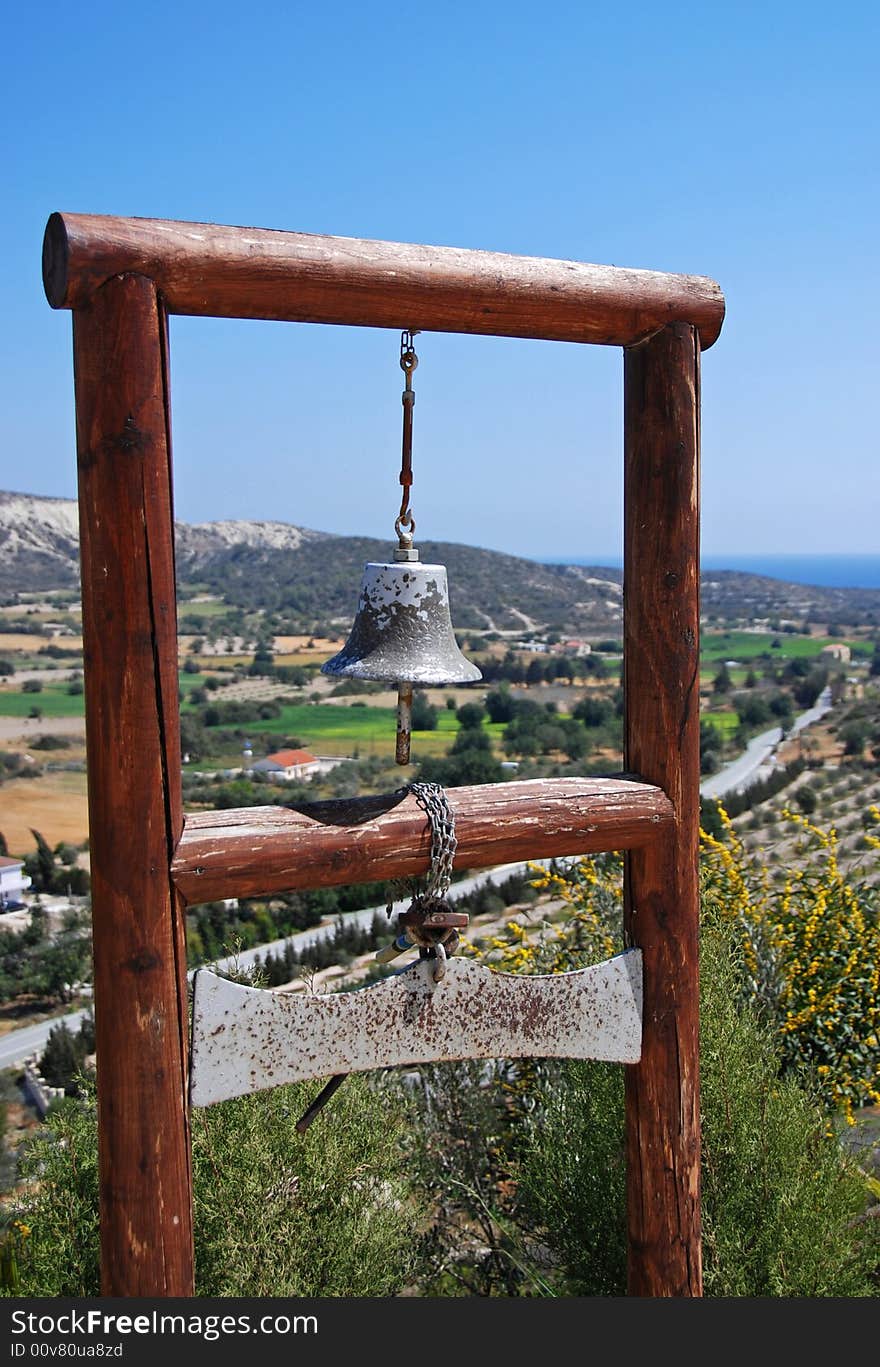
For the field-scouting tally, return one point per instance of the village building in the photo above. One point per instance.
(13, 882)
(836, 650)
(285, 766)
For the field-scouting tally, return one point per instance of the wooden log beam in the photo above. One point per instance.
(135, 806)
(214, 270)
(662, 742)
(258, 850)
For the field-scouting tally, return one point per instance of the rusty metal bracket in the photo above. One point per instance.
(247, 1039)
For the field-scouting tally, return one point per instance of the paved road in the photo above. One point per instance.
(18, 1045)
(744, 770)
(365, 917)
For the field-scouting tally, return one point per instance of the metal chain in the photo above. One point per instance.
(408, 362)
(433, 801)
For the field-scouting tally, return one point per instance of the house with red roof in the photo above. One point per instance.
(287, 765)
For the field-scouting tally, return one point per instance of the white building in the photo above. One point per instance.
(13, 882)
(285, 766)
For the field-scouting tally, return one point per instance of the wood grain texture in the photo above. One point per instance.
(256, 850)
(216, 270)
(135, 806)
(662, 723)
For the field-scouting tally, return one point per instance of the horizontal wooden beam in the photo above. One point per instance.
(251, 851)
(215, 270)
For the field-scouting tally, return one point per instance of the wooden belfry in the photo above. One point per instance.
(122, 278)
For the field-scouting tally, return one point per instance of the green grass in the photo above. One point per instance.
(724, 722)
(189, 682)
(191, 609)
(332, 729)
(328, 721)
(746, 645)
(52, 702)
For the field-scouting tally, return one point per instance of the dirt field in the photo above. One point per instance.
(19, 732)
(55, 805)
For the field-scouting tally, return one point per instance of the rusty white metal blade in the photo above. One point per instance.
(246, 1039)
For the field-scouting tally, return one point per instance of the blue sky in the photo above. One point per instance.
(738, 141)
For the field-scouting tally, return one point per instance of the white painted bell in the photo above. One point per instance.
(402, 634)
(402, 631)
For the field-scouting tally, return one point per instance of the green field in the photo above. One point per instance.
(210, 609)
(746, 645)
(724, 722)
(52, 702)
(334, 730)
(189, 682)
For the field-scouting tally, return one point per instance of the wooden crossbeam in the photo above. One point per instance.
(215, 270)
(258, 850)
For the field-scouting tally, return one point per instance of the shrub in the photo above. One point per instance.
(783, 1206)
(811, 952)
(326, 1214)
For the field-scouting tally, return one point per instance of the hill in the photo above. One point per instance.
(314, 575)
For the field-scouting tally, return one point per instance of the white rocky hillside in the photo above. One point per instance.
(39, 540)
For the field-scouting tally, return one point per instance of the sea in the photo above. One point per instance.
(826, 571)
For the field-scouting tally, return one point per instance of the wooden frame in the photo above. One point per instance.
(122, 277)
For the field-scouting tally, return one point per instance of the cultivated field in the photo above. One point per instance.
(53, 804)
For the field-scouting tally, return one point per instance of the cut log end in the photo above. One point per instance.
(56, 258)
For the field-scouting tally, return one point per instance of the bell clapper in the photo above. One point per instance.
(404, 551)
(404, 722)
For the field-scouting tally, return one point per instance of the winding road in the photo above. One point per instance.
(744, 769)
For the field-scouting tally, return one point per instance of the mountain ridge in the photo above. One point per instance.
(279, 566)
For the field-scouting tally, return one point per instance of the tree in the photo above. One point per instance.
(41, 866)
(875, 659)
(471, 716)
(60, 1059)
(424, 714)
(264, 659)
(854, 736)
(536, 672)
(710, 748)
(593, 711)
(575, 743)
(500, 705)
(722, 682)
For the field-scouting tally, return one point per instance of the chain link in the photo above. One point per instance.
(433, 801)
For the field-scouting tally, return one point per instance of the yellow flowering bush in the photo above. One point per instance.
(591, 930)
(809, 948)
(812, 953)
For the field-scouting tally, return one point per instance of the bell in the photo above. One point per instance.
(402, 633)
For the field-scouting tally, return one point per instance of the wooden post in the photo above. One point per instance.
(134, 779)
(661, 744)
